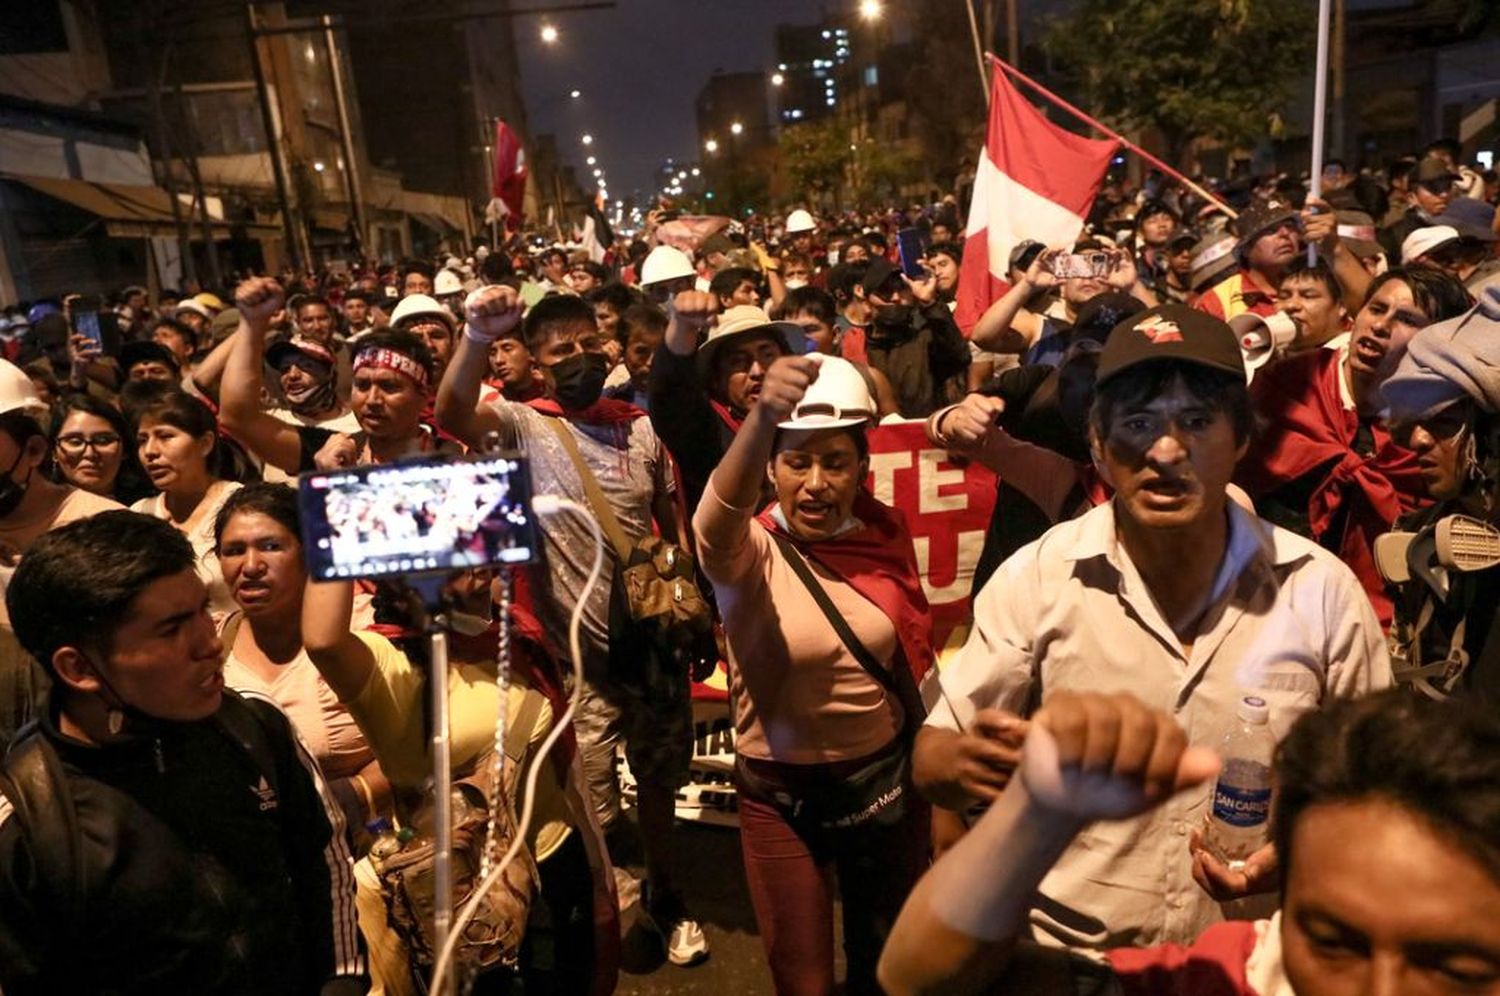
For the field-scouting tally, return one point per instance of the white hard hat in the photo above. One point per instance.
(195, 306)
(482, 253)
(1424, 240)
(17, 392)
(666, 263)
(839, 398)
(800, 221)
(447, 282)
(420, 306)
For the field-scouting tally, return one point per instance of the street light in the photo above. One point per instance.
(587, 139)
(777, 79)
(710, 146)
(736, 128)
(696, 171)
(575, 94)
(590, 160)
(549, 34)
(870, 10)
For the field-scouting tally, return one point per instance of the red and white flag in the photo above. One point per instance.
(508, 186)
(1034, 181)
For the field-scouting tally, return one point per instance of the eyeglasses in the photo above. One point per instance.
(74, 443)
(1442, 426)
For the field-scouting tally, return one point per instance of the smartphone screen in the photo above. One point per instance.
(86, 324)
(430, 515)
(909, 244)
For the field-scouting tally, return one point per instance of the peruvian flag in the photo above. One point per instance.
(1034, 181)
(509, 184)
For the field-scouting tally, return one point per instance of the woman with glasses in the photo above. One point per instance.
(1325, 465)
(91, 450)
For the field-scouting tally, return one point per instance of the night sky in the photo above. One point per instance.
(640, 66)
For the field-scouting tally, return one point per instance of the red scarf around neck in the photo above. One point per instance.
(605, 411)
(726, 415)
(878, 561)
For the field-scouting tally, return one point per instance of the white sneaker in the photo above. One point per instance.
(683, 936)
(686, 943)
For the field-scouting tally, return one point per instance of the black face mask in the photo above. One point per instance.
(894, 316)
(11, 493)
(578, 381)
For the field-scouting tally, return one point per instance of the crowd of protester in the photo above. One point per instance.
(1248, 446)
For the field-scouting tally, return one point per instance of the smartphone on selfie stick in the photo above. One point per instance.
(418, 521)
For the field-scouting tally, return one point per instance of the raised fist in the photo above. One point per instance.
(786, 383)
(338, 453)
(695, 309)
(258, 299)
(492, 312)
(967, 425)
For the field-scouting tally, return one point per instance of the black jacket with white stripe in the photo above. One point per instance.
(191, 858)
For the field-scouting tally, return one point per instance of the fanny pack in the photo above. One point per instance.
(405, 867)
(656, 587)
(878, 790)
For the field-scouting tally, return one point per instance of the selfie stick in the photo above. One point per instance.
(1320, 104)
(431, 591)
(541, 505)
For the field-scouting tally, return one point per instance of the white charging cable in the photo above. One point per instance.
(540, 505)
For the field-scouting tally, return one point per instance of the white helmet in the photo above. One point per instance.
(420, 306)
(840, 397)
(17, 392)
(666, 263)
(800, 221)
(447, 282)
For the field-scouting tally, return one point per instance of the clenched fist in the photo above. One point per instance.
(492, 311)
(786, 383)
(695, 309)
(258, 300)
(971, 421)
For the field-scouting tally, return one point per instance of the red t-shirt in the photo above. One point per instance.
(1213, 965)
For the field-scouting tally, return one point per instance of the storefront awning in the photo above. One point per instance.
(435, 222)
(129, 212)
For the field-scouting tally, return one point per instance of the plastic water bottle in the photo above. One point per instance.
(1237, 823)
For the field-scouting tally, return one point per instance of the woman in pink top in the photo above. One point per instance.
(828, 632)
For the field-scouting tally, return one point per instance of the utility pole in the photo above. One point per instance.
(346, 138)
(156, 75)
(1339, 55)
(189, 141)
(273, 142)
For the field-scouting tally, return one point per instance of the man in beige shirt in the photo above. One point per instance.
(1172, 593)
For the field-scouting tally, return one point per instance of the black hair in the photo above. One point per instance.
(307, 299)
(358, 294)
(843, 278)
(811, 301)
(1437, 292)
(77, 583)
(1439, 761)
(177, 328)
(614, 294)
(273, 500)
(1219, 390)
(596, 270)
(20, 426)
(131, 483)
(416, 266)
(728, 280)
(950, 249)
(641, 316)
(1451, 147)
(401, 341)
(1318, 271)
(547, 254)
(554, 312)
(496, 267)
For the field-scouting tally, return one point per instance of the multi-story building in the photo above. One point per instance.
(809, 62)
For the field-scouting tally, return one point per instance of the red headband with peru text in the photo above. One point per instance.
(388, 359)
